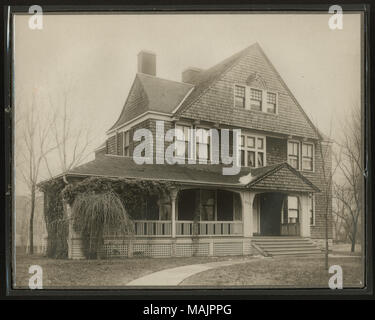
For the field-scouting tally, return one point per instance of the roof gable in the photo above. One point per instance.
(212, 97)
(149, 93)
(281, 177)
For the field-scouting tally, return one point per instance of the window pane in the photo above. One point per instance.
(240, 91)
(293, 161)
(260, 143)
(180, 148)
(242, 141)
(256, 105)
(256, 94)
(243, 158)
(292, 202)
(251, 158)
(260, 159)
(271, 97)
(250, 142)
(307, 164)
(239, 102)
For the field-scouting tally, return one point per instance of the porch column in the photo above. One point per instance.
(305, 216)
(173, 214)
(247, 198)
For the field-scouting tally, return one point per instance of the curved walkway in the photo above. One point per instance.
(174, 276)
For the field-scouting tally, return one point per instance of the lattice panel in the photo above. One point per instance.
(152, 250)
(228, 248)
(190, 249)
(113, 249)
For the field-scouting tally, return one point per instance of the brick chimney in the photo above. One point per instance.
(190, 74)
(147, 62)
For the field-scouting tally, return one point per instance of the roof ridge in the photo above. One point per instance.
(234, 56)
(289, 91)
(159, 78)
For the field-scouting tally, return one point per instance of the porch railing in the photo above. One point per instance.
(162, 228)
(209, 228)
(157, 228)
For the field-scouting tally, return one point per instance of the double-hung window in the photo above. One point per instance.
(182, 141)
(293, 154)
(202, 144)
(239, 96)
(307, 156)
(271, 102)
(301, 155)
(255, 99)
(252, 151)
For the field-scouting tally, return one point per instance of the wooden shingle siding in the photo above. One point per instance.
(217, 103)
(111, 145)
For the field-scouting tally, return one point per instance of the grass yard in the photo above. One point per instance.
(302, 272)
(60, 274)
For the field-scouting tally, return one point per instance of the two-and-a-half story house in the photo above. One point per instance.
(276, 204)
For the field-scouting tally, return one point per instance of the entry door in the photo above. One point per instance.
(270, 208)
(290, 217)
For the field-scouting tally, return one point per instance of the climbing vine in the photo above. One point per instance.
(94, 200)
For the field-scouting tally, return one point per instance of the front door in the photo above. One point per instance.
(270, 209)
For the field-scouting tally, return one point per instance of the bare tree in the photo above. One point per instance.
(71, 136)
(33, 147)
(349, 191)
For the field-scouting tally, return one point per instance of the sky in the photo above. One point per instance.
(94, 58)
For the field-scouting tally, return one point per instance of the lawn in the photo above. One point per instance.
(60, 274)
(302, 272)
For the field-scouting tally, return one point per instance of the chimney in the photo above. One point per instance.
(147, 62)
(190, 74)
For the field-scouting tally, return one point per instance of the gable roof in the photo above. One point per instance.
(275, 177)
(212, 99)
(149, 93)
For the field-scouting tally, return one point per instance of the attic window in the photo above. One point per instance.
(271, 102)
(239, 96)
(256, 100)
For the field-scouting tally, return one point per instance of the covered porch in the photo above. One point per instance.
(206, 213)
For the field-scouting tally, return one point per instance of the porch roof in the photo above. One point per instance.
(275, 177)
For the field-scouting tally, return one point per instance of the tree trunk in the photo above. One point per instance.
(31, 223)
(352, 249)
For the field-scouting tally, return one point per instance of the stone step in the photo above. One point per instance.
(296, 253)
(289, 246)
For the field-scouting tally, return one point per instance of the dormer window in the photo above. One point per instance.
(239, 96)
(271, 102)
(255, 99)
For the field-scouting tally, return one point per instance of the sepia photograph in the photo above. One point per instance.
(188, 150)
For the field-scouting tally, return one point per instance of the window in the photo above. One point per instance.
(293, 154)
(271, 102)
(182, 141)
(292, 209)
(202, 144)
(253, 151)
(307, 157)
(301, 155)
(256, 100)
(127, 144)
(239, 96)
(312, 209)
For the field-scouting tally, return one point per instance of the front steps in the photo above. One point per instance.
(285, 246)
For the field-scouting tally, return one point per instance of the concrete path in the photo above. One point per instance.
(174, 276)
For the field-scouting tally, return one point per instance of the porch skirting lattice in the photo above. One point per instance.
(161, 248)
